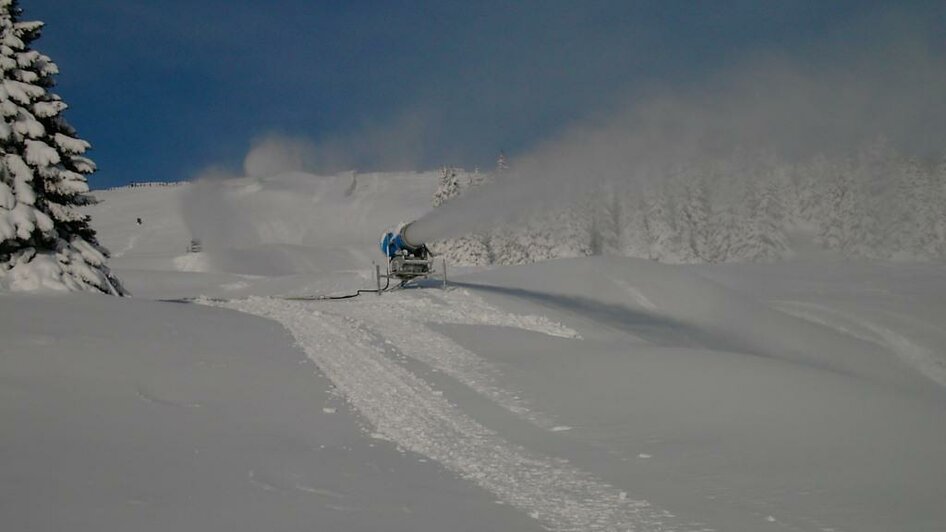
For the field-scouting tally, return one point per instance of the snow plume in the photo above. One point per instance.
(768, 109)
(397, 143)
(296, 172)
(282, 215)
(279, 154)
(289, 207)
(267, 225)
(210, 215)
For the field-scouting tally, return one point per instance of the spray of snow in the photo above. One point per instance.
(732, 127)
(290, 190)
(275, 155)
(766, 108)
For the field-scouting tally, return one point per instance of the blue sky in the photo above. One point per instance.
(165, 88)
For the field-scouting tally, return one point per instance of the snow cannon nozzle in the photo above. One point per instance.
(398, 241)
(408, 238)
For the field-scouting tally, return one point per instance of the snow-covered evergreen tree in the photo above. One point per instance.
(811, 181)
(909, 233)
(448, 187)
(574, 230)
(726, 232)
(45, 241)
(467, 250)
(696, 224)
(502, 165)
(507, 247)
(662, 229)
(758, 237)
(839, 229)
(937, 199)
(608, 222)
(635, 229)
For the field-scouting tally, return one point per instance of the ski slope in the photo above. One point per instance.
(583, 394)
(149, 416)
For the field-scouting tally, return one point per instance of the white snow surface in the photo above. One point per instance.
(136, 415)
(582, 394)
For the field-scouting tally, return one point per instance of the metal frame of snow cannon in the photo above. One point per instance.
(407, 261)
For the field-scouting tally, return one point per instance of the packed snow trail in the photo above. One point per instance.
(403, 324)
(403, 408)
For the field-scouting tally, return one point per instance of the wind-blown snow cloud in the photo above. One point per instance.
(275, 154)
(881, 78)
(215, 209)
(770, 105)
(397, 144)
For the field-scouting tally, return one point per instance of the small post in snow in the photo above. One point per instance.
(377, 276)
(444, 272)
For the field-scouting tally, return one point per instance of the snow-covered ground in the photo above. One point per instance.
(580, 394)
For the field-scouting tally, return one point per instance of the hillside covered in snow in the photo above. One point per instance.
(590, 393)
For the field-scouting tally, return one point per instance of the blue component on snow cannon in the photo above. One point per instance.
(392, 243)
(386, 239)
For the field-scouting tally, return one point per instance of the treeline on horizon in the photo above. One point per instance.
(875, 203)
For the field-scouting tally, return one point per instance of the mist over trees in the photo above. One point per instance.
(874, 203)
(45, 241)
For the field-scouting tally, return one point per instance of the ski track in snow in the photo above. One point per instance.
(403, 325)
(350, 345)
(918, 357)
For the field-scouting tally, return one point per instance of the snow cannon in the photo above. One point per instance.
(408, 259)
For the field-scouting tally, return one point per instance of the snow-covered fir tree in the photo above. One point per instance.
(937, 200)
(908, 230)
(835, 217)
(575, 231)
(448, 186)
(502, 165)
(695, 225)
(810, 178)
(608, 220)
(508, 245)
(45, 241)
(660, 227)
(635, 226)
(757, 236)
(467, 250)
